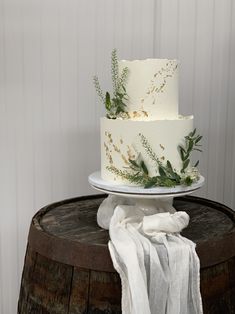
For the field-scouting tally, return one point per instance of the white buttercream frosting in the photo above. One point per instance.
(152, 88)
(120, 142)
(152, 111)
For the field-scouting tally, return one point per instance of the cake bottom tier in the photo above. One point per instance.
(122, 140)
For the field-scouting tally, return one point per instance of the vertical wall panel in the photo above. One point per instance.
(49, 111)
(2, 139)
(218, 101)
(12, 37)
(186, 54)
(88, 14)
(202, 76)
(229, 167)
(169, 29)
(51, 104)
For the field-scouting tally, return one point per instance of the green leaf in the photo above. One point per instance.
(185, 165)
(133, 162)
(168, 182)
(196, 164)
(169, 166)
(120, 95)
(192, 133)
(176, 177)
(190, 145)
(107, 101)
(161, 171)
(198, 139)
(144, 168)
(150, 183)
(197, 149)
(186, 157)
(188, 181)
(182, 152)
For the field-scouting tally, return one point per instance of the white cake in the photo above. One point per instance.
(152, 87)
(152, 106)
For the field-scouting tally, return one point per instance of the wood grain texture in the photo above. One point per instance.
(74, 223)
(75, 284)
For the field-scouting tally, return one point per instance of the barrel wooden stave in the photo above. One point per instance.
(51, 285)
(79, 291)
(218, 288)
(46, 286)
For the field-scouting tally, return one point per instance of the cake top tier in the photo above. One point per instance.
(152, 88)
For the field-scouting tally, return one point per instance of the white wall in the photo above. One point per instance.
(49, 113)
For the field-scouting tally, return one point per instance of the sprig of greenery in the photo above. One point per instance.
(122, 80)
(114, 71)
(191, 144)
(98, 88)
(149, 150)
(138, 172)
(135, 178)
(166, 172)
(116, 104)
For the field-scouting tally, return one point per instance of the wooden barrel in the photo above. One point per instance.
(68, 269)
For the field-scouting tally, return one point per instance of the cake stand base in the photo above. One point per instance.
(152, 200)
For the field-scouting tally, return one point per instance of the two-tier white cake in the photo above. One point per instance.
(152, 107)
(144, 140)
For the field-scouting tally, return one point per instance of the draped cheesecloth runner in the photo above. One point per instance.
(159, 269)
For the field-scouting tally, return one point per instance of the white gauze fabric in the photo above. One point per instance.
(159, 269)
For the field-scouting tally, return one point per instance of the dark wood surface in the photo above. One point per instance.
(71, 225)
(68, 269)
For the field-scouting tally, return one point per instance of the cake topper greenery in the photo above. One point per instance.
(137, 171)
(115, 104)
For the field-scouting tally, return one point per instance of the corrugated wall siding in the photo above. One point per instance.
(49, 113)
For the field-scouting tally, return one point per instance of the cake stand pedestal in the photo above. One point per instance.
(151, 200)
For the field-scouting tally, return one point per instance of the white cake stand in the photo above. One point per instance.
(158, 199)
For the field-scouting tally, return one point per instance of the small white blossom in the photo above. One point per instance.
(193, 173)
(123, 115)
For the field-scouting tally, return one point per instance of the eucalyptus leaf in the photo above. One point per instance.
(168, 182)
(186, 156)
(107, 101)
(198, 139)
(169, 166)
(150, 183)
(185, 164)
(182, 152)
(193, 133)
(161, 171)
(190, 145)
(133, 162)
(144, 168)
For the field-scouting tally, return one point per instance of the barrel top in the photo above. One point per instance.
(67, 231)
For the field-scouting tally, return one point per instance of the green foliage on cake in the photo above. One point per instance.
(191, 144)
(137, 171)
(115, 103)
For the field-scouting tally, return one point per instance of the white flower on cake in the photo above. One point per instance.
(191, 174)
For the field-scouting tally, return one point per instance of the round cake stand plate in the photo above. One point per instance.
(99, 184)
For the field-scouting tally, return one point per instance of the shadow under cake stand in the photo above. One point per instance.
(157, 199)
